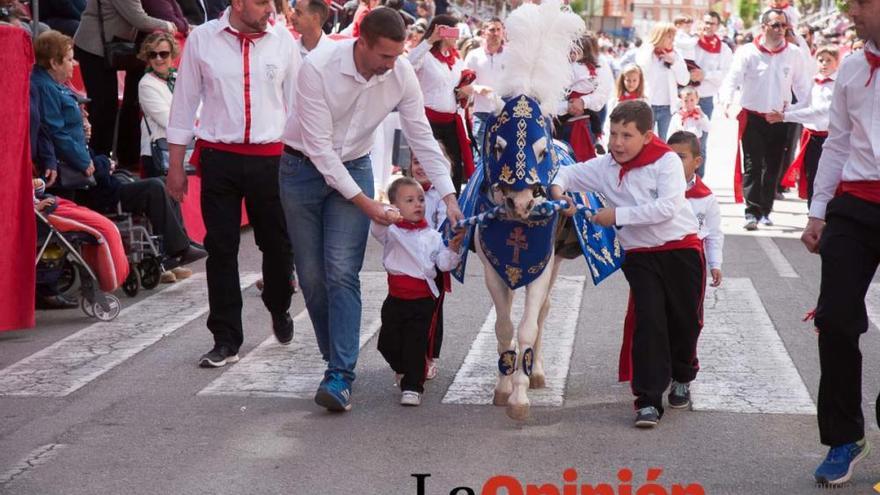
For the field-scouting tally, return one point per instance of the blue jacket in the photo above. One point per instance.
(61, 118)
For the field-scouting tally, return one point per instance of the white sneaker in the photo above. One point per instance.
(410, 398)
(433, 369)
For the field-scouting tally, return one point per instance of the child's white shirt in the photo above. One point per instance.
(435, 208)
(708, 214)
(696, 126)
(414, 253)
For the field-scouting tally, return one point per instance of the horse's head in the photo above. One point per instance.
(518, 156)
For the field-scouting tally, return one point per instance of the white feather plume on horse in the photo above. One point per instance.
(540, 38)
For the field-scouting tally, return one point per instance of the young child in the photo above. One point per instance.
(435, 214)
(690, 116)
(685, 42)
(814, 113)
(643, 180)
(687, 146)
(630, 84)
(412, 254)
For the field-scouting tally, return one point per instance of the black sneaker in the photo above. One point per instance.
(680, 395)
(647, 417)
(219, 356)
(282, 325)
(191, 255)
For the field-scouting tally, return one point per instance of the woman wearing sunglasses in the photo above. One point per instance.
(155, 88)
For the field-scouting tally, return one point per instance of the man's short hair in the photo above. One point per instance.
(688, 138)
(714, 15)
(830, 50)
(318, 8)
(765, 17)
(397, 184)
(635, 111)
(383, 22)
(493, 20)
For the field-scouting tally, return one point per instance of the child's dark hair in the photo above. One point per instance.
(688, 138)
(397, 184)
(634, 111)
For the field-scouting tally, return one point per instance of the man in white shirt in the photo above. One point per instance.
(240, 69)
(343, 92)
(487, 63)
(714, 57)
(844, 228)
(767, 71)
(308, 20)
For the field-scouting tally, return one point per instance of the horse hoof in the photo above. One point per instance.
(518, 412)
(537, 381)
(500, 398)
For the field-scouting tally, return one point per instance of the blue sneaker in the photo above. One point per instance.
(838, 465)
(334, 394)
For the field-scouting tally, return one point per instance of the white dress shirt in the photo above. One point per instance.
(766, 79)
(239, 104)
(488, 69)
(303, 51)
(814, 112)
(714, 67)
(685, 44)
(435, 208)
(649, 202)
(337, 111)
(696, 126)
(437, 80)
(852, 150)
(155, 100)
(596, 88)
(708, 215)
(414, 253)
(661, 82)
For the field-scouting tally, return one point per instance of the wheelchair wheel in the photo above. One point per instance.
(132, 283)
(87, 307)
(112, 311)
(150, 271)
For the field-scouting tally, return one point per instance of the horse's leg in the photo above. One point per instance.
(502, 298)
(527, 334)
(537, 379)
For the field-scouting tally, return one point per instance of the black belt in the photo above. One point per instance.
(294, 152)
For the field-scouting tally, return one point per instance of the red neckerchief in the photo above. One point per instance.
(628, 96)
(820, 80)
(426, 186)
(407, 225)
(448, 59)
(698, 190)
(591, 69)
(781, 6)
(693, 114)
(659, 53)
(649, 154)
(249, 38)
(711, 45)
(467, 78)
(500, 49)
(873, 63)
(767, 50)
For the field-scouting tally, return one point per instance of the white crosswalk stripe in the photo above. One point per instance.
(777, 259)
(872, 304)
(69, 364)
(475, 380)
(296, 370)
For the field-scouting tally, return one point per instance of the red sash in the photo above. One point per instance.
(464, 143)
(795, 173)
(250, 149)
(869, 190)
(580, 140)
(406, 287)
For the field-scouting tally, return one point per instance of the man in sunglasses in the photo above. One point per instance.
(766, 71)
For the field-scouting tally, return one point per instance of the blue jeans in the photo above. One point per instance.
(707, 105)
(662, 116)
(480, 119)
(330, 235)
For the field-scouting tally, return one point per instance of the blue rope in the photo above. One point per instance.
(545, 209)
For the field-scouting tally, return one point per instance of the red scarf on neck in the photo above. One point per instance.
(873, 63)
(767, 50)
(711, 45)
(699, 189)
(426, 186)
(660, 52)
(628, 96)
(649, 154)
(693, 114)
(407, 225)
(820, 80)
(448, 59)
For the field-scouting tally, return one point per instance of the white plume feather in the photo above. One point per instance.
(540, 38)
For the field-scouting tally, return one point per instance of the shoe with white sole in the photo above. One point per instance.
(410, 398)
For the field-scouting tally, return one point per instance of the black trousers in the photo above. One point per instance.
(226, 179)
(103, 88)
(438, 323)
(667, 289)
(403, 338)
(811, 162)
(850, 250)
(793, 139)
(764, 147)
(448, 136)
(149, 197)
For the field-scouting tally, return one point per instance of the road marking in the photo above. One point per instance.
(296, 370)
(872, 304)
(744, 366)
(37, 457)
(783, 267)
(71, 363)
(474, 382)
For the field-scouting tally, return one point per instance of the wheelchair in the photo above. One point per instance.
(61, 268)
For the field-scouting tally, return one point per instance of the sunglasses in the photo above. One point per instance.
(777, 25)
(163, 55)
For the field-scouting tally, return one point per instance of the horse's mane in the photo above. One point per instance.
(540, 38)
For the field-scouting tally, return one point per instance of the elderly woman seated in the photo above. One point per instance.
(62, 122)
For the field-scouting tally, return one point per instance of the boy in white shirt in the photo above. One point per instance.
(412, 254)
(644, 181)
(690, 116)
